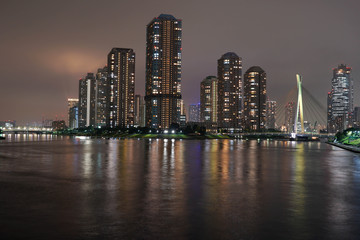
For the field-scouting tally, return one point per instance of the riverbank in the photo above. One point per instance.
(346, 147)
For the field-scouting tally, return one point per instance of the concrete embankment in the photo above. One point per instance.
(347, 147)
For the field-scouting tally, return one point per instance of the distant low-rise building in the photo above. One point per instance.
(8, 124)
(47, 123)
(58, 125)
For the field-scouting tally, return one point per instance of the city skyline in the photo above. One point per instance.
(49, 83)
(164, 119)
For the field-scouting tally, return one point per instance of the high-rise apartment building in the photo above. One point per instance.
(255, 99)
(73, 111)
(330, 122)
(139, 111)
(290, 116)
(87, 101)
(194, 113)
(357, 116)
(270, 114)
(121, 73)
(341, 102)
(101, 97)
(209, 99)
(183, 111)
(163, 71)
(74, 117)
(230, 91)
(183, 114)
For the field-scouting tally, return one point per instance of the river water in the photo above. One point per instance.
(68, 188)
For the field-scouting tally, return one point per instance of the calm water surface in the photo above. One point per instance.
(67, 188)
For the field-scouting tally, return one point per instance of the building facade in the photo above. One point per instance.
(73, 112)
(356, 116)
(101, 97)
(289, 116)
(230, 91)
(194, 113)
(58, 125)
(255, 99)
(183, 114)
(163, 71)
(341, 101)
(270, 114)
(74, 117)
(209, 99)
(8, 124)
(330, 122)
(139, 111)
(87, 101)
(121, 87)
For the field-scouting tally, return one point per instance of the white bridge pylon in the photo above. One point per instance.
(299, 107)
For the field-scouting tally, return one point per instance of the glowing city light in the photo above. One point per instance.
(299, 108)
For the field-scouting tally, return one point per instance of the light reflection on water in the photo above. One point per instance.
(219, 189)
(17, 137)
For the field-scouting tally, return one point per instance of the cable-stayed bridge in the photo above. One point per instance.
(300, 111)
(299, 116)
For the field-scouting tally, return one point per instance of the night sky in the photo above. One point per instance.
(47, 46)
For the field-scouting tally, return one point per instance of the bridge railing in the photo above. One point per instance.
(26, 129)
